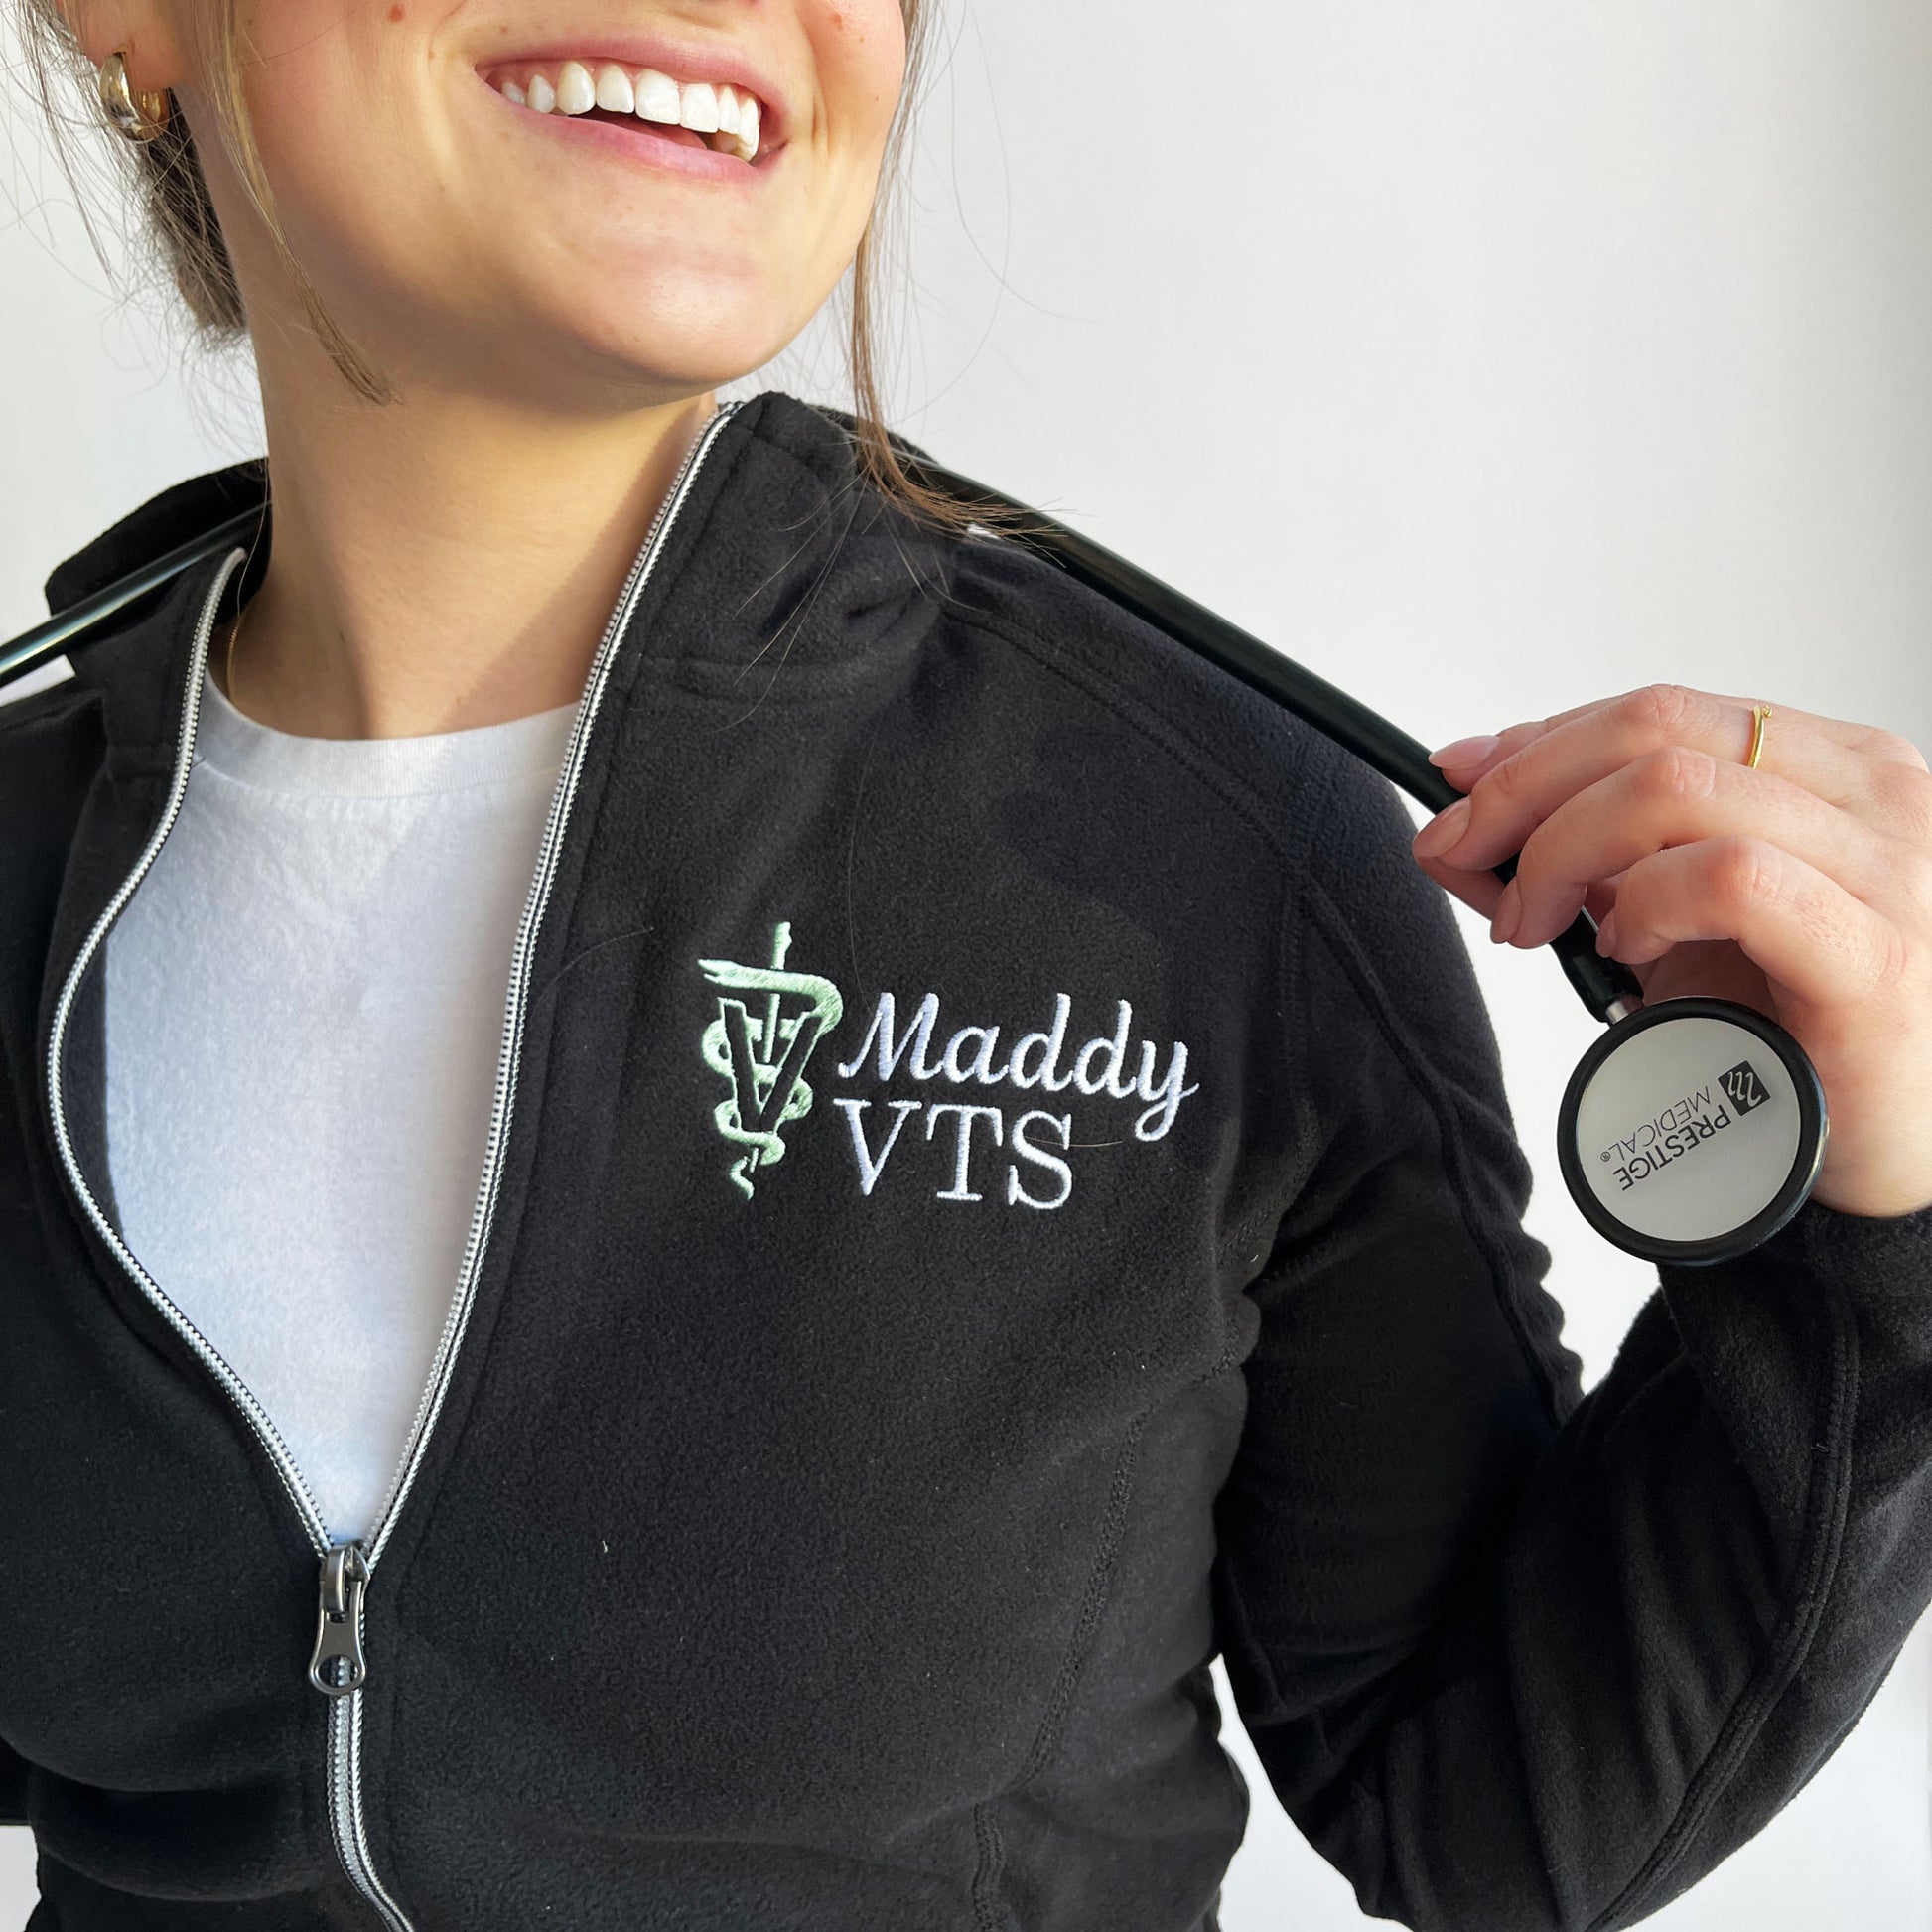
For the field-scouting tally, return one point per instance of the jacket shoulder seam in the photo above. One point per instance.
(1326, 920)
(1184, 751)
(1178, 744)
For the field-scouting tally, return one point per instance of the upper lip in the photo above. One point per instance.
(686, 61)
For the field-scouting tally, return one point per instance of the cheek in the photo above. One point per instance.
(319, 74)
(327, 78)
(351, 132)
(859, 49)
(858, 55)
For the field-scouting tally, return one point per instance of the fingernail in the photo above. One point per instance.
(1466, 751)
(1442, 830)
(1509, 915)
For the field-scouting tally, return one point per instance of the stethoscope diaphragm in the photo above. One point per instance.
(1692, 1131)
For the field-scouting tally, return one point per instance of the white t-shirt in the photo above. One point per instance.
(304, 1008)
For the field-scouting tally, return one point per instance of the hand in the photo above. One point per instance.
(1802, 889)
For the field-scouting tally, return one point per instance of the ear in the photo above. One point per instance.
(143, 30)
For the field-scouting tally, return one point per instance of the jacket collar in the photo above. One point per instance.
(779, 575)
(781, 571)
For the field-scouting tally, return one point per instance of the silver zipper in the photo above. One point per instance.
(337, 1665)
(258, 1417)
(534, 907)
(338, 1622)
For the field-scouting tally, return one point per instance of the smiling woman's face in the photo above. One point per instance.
(464, 237)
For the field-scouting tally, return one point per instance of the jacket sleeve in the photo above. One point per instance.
(13, 1788)
(1516, 1661)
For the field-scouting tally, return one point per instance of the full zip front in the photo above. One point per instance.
(339, 1667)
(870, 1512)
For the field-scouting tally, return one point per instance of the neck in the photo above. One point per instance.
(446, 561)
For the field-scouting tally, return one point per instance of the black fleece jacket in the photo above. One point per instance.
(1000, 1188)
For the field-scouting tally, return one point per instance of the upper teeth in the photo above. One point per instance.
(574, 89)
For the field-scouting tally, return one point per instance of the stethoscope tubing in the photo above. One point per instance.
(48, 639)
(1608, 988)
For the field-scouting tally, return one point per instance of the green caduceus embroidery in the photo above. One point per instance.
(763, 1052)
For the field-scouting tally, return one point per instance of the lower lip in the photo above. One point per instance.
(653, 150)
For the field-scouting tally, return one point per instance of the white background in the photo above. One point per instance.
(1488, 356)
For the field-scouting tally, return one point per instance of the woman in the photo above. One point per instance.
(702, 1180)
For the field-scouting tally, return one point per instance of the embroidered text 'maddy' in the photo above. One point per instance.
(763, 1050)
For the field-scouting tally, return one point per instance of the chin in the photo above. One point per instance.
(690, 347)
(662, 343)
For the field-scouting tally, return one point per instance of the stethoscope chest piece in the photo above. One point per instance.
(1692, 1131)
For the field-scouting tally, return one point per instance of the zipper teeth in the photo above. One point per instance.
(345, 1810)
(345, 1718)
(341, 1788)
(535, 906)
(258, 1417)
(346, 1816)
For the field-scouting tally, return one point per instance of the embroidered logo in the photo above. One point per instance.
(763, 1053)
(769, 1021)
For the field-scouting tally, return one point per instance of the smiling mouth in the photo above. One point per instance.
(723, 118)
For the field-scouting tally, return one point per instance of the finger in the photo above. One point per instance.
(1678, 796)
(1802, 928)
(1479, 890)
(1477, 758)
(1467, 758)
(1847, 732)
(1482, 891)
(1508, 800)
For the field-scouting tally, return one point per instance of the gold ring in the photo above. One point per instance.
(1760, 717)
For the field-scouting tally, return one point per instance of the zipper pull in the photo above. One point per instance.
(338, 1622)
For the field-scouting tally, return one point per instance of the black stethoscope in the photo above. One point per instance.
(1691, 1132)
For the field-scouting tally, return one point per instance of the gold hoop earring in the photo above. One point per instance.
(138, 117)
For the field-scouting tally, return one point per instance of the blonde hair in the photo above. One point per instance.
(189, 250)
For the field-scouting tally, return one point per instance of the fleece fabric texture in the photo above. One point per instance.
(1005, 1191)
